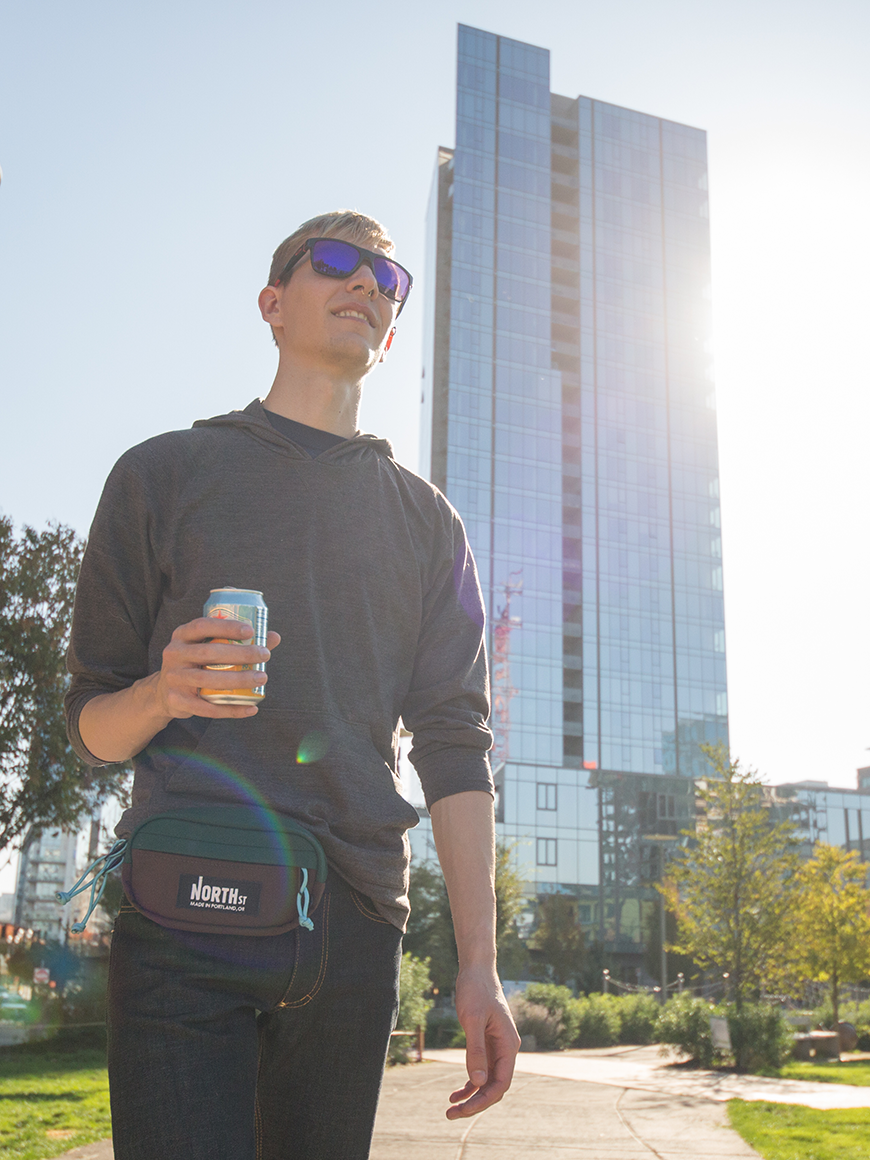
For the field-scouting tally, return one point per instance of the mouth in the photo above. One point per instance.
(357, 312)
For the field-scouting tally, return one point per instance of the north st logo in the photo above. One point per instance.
(202, 892)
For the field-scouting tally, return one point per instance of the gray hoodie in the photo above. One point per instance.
(369, 579)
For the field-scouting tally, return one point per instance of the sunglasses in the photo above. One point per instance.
(337, 259)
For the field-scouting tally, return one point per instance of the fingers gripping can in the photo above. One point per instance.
(248, 606)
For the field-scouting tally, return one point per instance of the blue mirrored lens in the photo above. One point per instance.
(333, 258)
(337, 259)
(391, 279)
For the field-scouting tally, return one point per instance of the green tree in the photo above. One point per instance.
(414, 986)
(42, 782)
(832, 928)
(509, 898)
(430, 927)
(508, 890)
(732, 886)
(558, 947)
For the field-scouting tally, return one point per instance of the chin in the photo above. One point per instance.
(359, 354)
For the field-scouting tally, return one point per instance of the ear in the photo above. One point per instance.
(269, 305)
(388, 344)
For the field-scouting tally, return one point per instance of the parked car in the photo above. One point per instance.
(12, 1006)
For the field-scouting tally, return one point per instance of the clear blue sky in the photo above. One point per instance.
(153, 156)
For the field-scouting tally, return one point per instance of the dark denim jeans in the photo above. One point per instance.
(235, 1048)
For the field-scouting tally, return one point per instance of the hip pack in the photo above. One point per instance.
(219, 870)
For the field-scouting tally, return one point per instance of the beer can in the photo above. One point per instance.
(249, 607)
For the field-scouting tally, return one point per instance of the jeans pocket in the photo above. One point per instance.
(311, 961)
(366, 907)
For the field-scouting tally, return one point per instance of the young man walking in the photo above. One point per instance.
(227, 1046)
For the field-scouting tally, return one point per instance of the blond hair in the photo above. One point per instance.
(352, 225)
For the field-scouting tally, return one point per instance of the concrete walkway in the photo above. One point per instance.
(612, 1104)
(644, 1069)
(544, 1118)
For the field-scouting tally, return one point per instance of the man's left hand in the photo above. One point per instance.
(491, 1042)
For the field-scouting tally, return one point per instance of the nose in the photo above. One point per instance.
(364, 279)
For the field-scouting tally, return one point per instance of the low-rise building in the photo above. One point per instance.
(53, 859)
(832, 814)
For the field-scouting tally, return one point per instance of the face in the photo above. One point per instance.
(339, 323)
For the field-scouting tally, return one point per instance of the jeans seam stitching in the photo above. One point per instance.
(372, 915)
(324, 959)
(258, 1111)
(289, 986)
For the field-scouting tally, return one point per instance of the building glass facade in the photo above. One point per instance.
(823, 813)
(569, 415)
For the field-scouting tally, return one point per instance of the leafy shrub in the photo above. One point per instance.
(639, 1018)
(857, 1014)
(561, 1004)
(443, 1029)
(760, 1036)
(598, 1021)
(535, 1019)
(593, 1021)
(414, 982)
(84, 999)
(555, 999)
(684, 1025)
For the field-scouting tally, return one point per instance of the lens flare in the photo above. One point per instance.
(228, 786)
(312, 747)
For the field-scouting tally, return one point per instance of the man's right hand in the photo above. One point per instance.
(116, 726)
(191, 649)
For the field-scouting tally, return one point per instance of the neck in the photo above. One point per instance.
(315, 397)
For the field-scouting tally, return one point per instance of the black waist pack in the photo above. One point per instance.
(224, 870)
(237, 870)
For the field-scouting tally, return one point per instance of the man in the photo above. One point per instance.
(230, 1046)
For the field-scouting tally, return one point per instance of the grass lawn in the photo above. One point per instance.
(51, 1100)
(828, 1071)
(791, 1132)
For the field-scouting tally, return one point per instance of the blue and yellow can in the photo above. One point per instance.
(248, 606)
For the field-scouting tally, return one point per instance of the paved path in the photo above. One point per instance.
(643, 1069)
(544, 1118)
(612, 1104)
(99, 1151)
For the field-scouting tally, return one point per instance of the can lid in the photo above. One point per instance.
(230, 589)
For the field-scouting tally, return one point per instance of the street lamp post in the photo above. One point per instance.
(663, 933)
(664, 839)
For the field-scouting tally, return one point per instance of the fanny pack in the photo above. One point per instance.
(215, 869)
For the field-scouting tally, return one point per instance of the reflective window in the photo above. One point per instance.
(547, 796)
(580, 428)
(546, 851)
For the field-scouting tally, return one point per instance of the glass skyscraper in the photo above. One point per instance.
(568, 413)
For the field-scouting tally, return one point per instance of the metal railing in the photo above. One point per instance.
(419, 1035)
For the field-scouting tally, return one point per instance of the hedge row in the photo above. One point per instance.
(558, 1020)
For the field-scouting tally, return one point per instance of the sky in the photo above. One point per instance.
(154, 155)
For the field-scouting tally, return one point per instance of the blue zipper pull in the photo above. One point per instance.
(106, 863)
(302, 901)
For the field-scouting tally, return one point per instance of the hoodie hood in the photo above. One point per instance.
(254, 421)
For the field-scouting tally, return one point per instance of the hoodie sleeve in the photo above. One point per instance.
(117, 598)
(447, 706)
